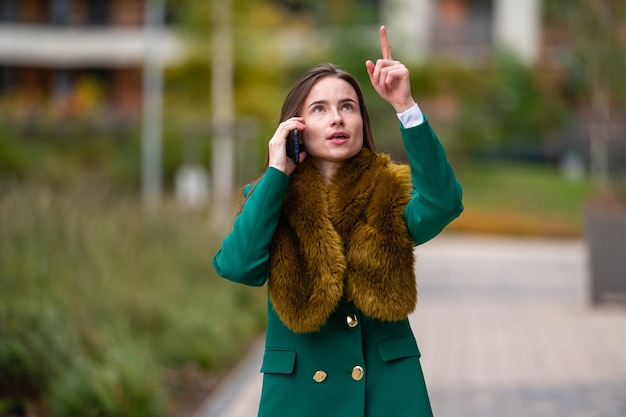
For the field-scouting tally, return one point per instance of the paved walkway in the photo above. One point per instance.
(505, 330)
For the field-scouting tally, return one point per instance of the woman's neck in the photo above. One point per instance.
(327, 169)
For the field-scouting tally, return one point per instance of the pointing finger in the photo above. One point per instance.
(384, 44)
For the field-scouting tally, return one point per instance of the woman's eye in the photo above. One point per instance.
(347, 106)
(318, 109)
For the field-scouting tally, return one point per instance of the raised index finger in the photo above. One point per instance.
(384, 44)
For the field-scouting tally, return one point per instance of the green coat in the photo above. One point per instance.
(355, 365)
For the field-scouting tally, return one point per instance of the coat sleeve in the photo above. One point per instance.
(437, 194)
(244, 255)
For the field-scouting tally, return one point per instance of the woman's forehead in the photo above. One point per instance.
(331, 89)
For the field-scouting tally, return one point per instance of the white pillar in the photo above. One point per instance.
(223, 103)
(409, 27)
(517, 27)
(151, 143)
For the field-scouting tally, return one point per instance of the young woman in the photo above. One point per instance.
(333, 237)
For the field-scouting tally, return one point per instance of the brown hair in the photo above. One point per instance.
(300, 90)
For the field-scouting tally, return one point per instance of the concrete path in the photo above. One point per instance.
(505, 330)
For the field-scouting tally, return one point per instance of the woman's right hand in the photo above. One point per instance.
(278, 146)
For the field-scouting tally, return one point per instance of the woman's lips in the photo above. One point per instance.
(338, 137)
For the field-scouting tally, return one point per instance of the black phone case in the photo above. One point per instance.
(293, 146)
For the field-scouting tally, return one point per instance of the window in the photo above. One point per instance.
(98, 12)
(462, 28)
(8, 10)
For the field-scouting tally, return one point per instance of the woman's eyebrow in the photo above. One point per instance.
(343, 100)
(318, 102)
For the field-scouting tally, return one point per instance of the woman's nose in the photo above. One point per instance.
(336, 118)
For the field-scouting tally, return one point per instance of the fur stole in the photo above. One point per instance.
(348, 239)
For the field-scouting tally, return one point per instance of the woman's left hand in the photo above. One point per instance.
(390, 78)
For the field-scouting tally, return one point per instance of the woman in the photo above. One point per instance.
(333, 237)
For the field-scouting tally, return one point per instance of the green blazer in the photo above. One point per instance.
(355, 366)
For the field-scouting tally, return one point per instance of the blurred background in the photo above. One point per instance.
(127, 127)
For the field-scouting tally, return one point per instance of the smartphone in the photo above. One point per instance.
(294, 147)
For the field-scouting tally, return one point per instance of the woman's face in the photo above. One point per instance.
(334, 126)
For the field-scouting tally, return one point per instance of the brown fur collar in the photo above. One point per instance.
(346, 240)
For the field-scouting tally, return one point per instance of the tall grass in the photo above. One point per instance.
(100, 300)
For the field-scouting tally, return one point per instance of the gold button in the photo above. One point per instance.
(357, 373)
(352, 320)
(319, 376)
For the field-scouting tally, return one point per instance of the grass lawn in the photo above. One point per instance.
(521, 200)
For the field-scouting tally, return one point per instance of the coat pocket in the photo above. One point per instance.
(398, 348)
(278, 361)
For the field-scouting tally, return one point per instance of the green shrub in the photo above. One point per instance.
(126, 382)
(102, 302)
(508, 105)
(34, 348)
(12, 159)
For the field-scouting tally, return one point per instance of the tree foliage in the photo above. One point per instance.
(598, 38)
(507, 106)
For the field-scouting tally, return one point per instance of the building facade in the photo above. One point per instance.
(465, 29)
(73, 56)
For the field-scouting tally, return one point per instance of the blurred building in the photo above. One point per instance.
(74, 54)
(466, 29)
(68, 56)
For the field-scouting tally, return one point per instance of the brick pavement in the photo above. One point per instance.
(505, 330)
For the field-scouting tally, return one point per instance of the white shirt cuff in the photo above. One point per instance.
(411, 117)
